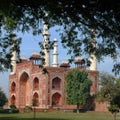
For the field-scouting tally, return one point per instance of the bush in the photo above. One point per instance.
(65, 111)
(28, 108)
(12, 106)
(5, 111)
(8, 111)
(58, 109)
(74, 110)
(45, 111)
(15, 111)
(113, 109)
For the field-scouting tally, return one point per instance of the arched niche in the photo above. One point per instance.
(56, 99)
(56, 83)
(24, 88)
(13, 99)
(13, 87)
(35, 83)
(35, 99)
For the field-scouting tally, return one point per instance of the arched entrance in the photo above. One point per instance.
(35, 99)
(13, 87)
(23, 89)
(36, 84)
(56, 83)
(56, 99)
(13, 100)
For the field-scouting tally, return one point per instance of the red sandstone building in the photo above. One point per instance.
(29, 81)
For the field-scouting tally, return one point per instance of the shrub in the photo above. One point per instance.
(58, 109)
(65, 111)
(45, 111)
(28, 108)
(74, 110)
(113, 109)
(12, 106)
(15, 111)
(5, 111)
(8, 111)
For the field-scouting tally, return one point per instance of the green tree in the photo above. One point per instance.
(109, 89)
(77, 18)
(7, 49)
(109, 92)
(114, 110)
(77, 87)
(3, 98)
(116, 98)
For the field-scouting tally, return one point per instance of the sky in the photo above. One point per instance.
(30, 44)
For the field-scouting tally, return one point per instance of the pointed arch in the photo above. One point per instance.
(13, 100)
(23, 88)
(24, 77)
(35, 99)
(35, 83)
(56, 83)
(56, 99)
(13, 87)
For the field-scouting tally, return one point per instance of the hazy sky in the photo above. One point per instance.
(30, 45)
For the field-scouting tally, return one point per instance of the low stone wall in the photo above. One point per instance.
(101, 107)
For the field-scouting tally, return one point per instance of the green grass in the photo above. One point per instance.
(59, 116)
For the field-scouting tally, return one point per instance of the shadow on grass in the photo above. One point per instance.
(14, 118)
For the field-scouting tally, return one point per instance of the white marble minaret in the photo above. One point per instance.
(55, 53)
(46, 37)
(13, 58)
(93, 59)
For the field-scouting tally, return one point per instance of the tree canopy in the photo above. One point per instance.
(77, 88)
(3, 98)
(78, 18)
(109, 89)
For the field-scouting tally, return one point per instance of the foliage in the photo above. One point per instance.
(3, 98)
(114, 110)
(12, 106)
(45, 110)
(28, 107)
(77, 87)
(109, 89)
(15, 111)
(78, 19)
(6, 50)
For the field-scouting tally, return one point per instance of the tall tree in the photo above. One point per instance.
(77, 87)
(77, 18)
(3, 98)
(109, 89)
(6, 49)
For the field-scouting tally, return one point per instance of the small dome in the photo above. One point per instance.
(55, 40)
(35, 55)
(79, 60)
(65, 64)
(23, 58)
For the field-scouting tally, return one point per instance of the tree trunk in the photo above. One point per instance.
(78, 106)
(114, 115)
(34, 113)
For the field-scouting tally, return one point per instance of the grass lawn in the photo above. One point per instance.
(59, 116)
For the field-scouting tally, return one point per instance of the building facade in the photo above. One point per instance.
(32, 82)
